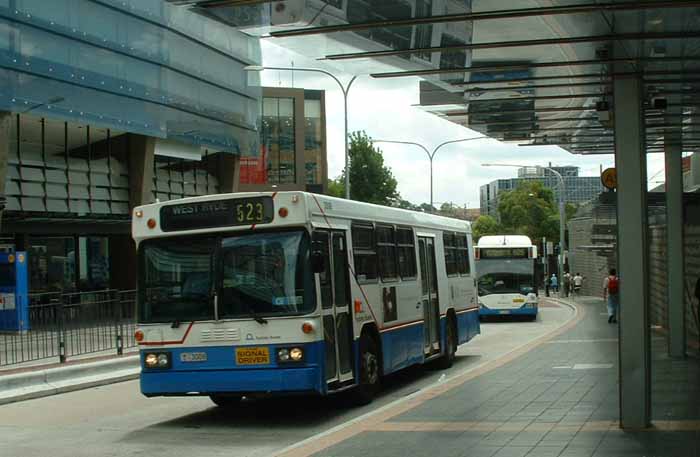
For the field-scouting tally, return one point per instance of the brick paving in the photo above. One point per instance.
(559, 399)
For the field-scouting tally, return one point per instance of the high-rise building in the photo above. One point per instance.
(578, 189)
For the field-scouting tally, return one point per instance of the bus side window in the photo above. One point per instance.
(364, 253)
(386, 249)
(406, 249)
(463, 254)
(451, 254)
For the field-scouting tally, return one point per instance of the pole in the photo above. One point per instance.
(346, 91)
(431, 182)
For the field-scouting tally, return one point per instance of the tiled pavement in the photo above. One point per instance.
(558, 399)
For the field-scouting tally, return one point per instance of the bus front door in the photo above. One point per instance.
(335, 303)
(430, 301)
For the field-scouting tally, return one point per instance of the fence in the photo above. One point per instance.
(64, 325)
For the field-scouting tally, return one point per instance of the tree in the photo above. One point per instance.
(485, 225)
(405, 204)
(370, 180)
(530, 210)
(336, 187)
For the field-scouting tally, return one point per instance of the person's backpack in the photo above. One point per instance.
(613, 285)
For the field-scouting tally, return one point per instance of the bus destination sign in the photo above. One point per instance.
(503, 253)
(216, 213)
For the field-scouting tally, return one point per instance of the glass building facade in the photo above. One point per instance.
(579, 189)
(293, 143)
(105, 105)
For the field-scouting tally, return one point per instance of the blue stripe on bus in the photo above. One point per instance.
(220, 373)
(468, 325)
(524, 311)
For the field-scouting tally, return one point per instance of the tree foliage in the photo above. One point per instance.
(336, 187)
(485, 225)
(370, 180)
(530, 210)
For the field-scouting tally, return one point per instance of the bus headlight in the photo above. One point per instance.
(157, 360)
(296, 354)
(287, 355)
(151, 360)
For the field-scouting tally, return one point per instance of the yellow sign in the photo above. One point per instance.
(252, 356)
(609, 178)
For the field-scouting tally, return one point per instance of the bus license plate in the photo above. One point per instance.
(193, 357)
(252, 356)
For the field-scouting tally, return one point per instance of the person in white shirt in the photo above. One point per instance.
(578, 283)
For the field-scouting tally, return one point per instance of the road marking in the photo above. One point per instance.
(592, 366)
(599, 340)
(565, 367)
(373, 419)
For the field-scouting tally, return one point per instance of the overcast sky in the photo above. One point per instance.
(385, 110)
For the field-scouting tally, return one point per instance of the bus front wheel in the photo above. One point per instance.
(226, 401)
(370, 371)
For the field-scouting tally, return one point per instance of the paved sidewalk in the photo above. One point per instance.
(559, 398)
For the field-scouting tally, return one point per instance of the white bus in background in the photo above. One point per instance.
(506, 269)
(251, 294)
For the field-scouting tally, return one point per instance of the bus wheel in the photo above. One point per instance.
(448, 358)
(226, 401)
(369, 371)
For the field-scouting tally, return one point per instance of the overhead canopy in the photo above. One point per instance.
(532, 71)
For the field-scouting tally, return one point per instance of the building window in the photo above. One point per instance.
(279, 140)
(175, 178)
(364, 252)
(406, 252)
(313, 141)
(51, 264)
(386, 249)
(60, 167)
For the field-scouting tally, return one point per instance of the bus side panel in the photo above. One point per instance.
(402, 347)
(468, 324)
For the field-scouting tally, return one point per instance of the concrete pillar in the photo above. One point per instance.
(5, 123)
(674, 243)
(141, 151)
(634, 347)
(229, 173)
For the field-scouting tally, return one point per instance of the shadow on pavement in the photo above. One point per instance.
(299, 413)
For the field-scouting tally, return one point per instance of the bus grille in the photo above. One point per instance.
(220, 334)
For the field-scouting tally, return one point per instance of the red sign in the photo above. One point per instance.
(254, 169)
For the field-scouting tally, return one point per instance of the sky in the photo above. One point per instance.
(386, 110)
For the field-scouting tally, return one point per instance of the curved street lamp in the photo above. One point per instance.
(344, 88)
(562, 208)
(431, 155)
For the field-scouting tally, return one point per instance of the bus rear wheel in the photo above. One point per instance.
(448, 358)
(370, 371)
(226, 401)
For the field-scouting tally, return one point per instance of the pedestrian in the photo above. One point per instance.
(566, 283)
(578, 283)
(547, 285)
(555, 283)
(611, 293)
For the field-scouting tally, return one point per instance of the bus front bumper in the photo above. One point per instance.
(256, 381)
(522, 311)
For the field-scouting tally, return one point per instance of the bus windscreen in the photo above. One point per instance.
(504, 253)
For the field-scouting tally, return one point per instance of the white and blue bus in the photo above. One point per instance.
(250, 294)
(506, 268)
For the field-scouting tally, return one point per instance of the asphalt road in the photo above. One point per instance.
(116, 420)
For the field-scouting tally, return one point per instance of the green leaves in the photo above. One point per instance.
(485, 225)
(370, 180)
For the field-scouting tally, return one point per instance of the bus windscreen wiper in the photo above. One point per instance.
(260, 320)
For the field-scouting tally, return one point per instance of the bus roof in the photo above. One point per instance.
(502, 241)
(316, 208)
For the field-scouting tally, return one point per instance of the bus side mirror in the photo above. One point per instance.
(318, 262)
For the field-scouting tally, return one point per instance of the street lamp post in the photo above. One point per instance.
(431, 155)
(562, 209)
(344, 88)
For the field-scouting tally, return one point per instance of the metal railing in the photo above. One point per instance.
(64, 325)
